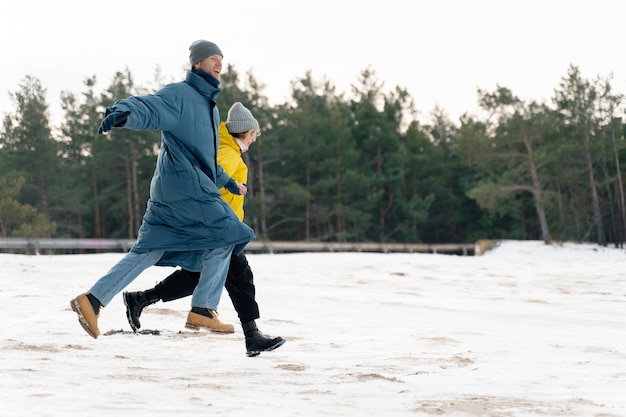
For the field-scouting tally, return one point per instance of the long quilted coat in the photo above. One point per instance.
(185, 214)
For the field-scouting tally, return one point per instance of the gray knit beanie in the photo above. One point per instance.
(240, 119)
(201, 49)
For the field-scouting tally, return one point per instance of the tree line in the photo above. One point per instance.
(333, 166)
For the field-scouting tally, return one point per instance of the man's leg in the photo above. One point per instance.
(88, 304)
(206, 296)
(122, 274)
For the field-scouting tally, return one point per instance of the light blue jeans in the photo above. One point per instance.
(212, 278)
(207, 293)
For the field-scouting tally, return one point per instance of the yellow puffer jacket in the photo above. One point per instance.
(229, 157)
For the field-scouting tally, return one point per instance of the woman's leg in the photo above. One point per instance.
(240, 287)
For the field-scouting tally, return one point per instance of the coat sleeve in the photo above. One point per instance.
(222, 177)
(150, 112)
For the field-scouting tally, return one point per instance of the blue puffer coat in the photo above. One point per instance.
(185, 214)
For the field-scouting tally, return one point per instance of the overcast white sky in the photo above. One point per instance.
(440, 50)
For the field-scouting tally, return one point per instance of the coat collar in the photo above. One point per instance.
(202, 86)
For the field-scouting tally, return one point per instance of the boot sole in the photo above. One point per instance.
(81, 318)
(131, 323)
(252, 353)
(212, 330)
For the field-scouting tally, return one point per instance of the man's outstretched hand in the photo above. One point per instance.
(113, 119)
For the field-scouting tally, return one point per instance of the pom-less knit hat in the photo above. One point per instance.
(240, 119)
(202, 49)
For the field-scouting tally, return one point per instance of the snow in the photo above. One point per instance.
(524, 330)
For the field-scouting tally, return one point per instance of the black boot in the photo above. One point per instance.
(136, 302)
(256, 342)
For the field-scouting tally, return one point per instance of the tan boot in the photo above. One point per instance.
(86, 316)
(195, 321)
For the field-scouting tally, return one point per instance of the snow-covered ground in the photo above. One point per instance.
(524, 330)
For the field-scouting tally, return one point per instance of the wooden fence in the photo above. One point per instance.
(54, 246)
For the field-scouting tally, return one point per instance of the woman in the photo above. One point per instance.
(236, 136)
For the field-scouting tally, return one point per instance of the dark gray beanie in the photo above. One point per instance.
(201, 49)
(240, 119)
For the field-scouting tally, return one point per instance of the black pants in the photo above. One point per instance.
(239, 284)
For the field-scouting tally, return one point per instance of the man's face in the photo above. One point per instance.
(211, 65)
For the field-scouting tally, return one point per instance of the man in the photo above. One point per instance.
(236, 136)
(186, 223)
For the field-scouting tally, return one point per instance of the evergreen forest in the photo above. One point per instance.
(342, 167)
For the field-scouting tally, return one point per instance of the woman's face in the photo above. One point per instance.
(249, 139)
